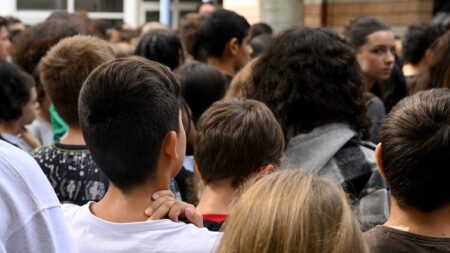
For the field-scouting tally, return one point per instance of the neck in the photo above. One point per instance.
(434, 224)
(73, 136)
(217, 197)
(122, 207)
(225, 65)
(368, 83)
(11, 127)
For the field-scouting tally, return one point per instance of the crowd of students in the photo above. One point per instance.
(223, 136)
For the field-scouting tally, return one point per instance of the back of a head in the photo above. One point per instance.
(359, 29)
(417, 39)
(66, 66)
(289, 211)
(219, 28)
(126, 107)
(260, 29)
(235, 137)
(190, 35)
(437, 75)
(162, 46)
(15, 91)
(32, 44)
(201, 85)
(415, 139)
(317, 83)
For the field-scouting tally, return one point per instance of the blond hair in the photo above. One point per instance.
(242, 82)
(289, 211)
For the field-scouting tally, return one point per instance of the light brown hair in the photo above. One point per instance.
(242, 82)
(234, 138)
(66, 66)
(289, 211)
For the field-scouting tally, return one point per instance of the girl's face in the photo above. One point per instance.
(376, 57)
(29, 111)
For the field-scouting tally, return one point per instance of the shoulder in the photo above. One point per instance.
(375, 105)
(200, 239)
(21, 171)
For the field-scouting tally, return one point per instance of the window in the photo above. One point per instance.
(80, 5)
(99, 5)
(42, 4)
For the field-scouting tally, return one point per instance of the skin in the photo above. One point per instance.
(5, 44)
(235, 56)
(244, 53)
(118, 206)
(376, 57)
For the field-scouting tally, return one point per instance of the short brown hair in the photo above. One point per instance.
(234, 138)
(415, 140)
(66, 66)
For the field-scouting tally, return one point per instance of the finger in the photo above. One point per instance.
(162, 211)
(193, 216)
(157, 204)
(162, 193)
(177, 210)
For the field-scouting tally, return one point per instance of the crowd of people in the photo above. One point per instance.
(223, 136)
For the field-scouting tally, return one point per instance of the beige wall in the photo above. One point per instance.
(247, 8)
(335, 14)
(397, 13)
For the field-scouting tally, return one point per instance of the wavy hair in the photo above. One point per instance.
(309, 77)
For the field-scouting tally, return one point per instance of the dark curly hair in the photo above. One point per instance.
(310, 77)
(15, 91)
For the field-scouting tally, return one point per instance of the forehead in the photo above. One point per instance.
(385, 38)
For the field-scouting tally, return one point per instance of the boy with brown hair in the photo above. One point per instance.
(139, 159)
(414, 157)
(68, 164)
(236, 139)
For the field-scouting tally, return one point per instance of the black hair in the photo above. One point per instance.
(3, 22)
(162, 46)
(359, 29)
(15, 91)
(415, 139)
(417, 39)
(318, 82)
(126, 108)
(201, 85)
(219, 28)
(260, 29)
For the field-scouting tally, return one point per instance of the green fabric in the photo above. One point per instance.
(58, 125)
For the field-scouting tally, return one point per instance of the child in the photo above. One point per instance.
(139, 160)
(236, 139)
(68, 164)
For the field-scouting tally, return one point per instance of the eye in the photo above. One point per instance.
(393, 50)
(378, 51)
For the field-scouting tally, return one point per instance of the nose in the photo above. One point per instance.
(390, 57)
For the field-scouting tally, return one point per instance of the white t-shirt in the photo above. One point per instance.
(94, 235)
(30, 213)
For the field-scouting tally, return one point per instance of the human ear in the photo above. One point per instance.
(379, 159)
(170, 145)
(233, 46)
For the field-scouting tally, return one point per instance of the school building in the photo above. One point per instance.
(278, 13)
